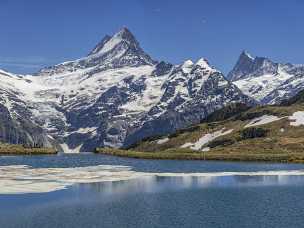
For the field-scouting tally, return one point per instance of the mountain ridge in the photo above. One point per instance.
(266, 81)
(117, 95)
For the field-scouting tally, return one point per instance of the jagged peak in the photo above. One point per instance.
(248, 66)
(187, 63)
(124, 33)
(204, 63)
(119, 50)
(109, 42)
(246, 54)
(187, 66)
(100, 45)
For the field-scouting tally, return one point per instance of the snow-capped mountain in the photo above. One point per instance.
(266, 81)
(115, 96)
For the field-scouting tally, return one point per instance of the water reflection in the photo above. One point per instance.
(151, 184)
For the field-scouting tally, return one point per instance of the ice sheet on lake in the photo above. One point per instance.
(20, 179)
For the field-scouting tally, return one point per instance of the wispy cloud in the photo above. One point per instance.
(24, 62)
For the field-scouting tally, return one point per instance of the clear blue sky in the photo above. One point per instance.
(36, 33)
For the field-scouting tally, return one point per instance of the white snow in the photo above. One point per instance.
(265, 119)
(187, 66)
(86, 130)
(206, 139)
(248, 55)
(43, 94)
(162, 141)
(297, 118)
(108, 46)
(149, 97)
(259, 87)
(204, 64)
(68, 150)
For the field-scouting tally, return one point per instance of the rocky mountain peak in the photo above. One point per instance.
(246, 55)
(120, 50)
(204, 64)
(108, 43)
(248, 66)
(187, 66)
(100, 45)
(242, 67)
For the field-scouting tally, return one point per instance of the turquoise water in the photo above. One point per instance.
(219, 201)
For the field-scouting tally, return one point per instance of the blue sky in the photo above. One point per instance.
(36, 33)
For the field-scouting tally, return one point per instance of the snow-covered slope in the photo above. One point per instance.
(116, 96)
(266, 81)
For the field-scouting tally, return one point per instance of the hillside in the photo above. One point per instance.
(264, 133)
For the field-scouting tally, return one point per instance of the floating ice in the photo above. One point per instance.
(20, 179)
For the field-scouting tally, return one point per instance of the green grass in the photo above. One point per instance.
(215, 156)
(12, 149)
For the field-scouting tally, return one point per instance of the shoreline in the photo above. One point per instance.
(208, 156)
(15, 150)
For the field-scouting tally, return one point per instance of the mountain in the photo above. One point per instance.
(235, 132)
(115, 96)
(266, 81)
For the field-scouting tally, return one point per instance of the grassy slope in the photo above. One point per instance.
(275, 145)
(12, 149)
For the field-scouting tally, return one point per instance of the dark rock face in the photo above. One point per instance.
(21, 130)
(297, 99)
(231, 110)
(162, 68)
(253, 132)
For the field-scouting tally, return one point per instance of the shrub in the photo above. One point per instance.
(253, 132)
(220, 142)
(226, 112)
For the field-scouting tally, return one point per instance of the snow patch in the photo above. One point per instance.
(259, 87)
(265, 119)
(162, 141)
(68, 150)
(206, 139)
(297, 118)
(187, 66)
(204, 64)
(206, 149)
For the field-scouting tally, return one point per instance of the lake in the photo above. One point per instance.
(88, 190)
